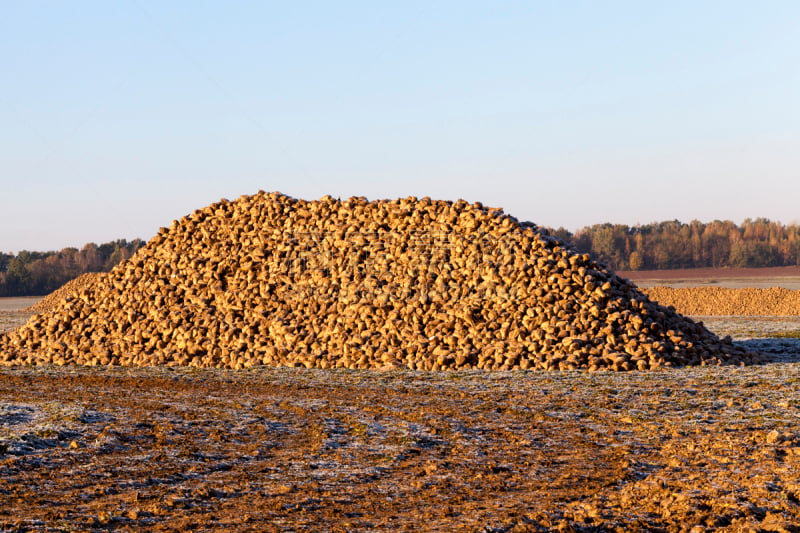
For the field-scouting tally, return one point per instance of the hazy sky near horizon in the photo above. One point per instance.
(118, 117)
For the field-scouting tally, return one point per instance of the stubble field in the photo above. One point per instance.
(280, 449)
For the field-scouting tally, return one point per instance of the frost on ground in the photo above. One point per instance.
(10, 319)
(761, 334)
(278, 449)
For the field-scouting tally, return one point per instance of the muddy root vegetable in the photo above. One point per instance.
(415, 283)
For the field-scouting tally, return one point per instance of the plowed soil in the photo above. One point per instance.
(682, 274)
(279, 449)
(787, 277)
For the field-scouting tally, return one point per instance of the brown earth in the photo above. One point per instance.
(728, 278)
(683, 274)
(340, 450)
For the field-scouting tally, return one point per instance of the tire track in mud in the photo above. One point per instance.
(289, 449)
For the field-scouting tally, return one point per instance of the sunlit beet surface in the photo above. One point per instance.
(410, 283)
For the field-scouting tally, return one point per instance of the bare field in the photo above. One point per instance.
(18, 303)
(729, 278)
(279, 449)
(10, 319)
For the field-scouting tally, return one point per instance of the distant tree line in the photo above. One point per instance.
(39, 273)
(674, 244)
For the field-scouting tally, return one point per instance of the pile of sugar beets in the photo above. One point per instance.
(428, 285)
(55, 298)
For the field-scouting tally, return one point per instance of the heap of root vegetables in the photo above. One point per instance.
(429, 285)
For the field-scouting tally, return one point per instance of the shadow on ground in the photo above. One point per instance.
(776, 349)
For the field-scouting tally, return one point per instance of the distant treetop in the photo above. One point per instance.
(38, 273)
(674, 244)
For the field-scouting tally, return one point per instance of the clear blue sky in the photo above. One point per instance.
(118, 117)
